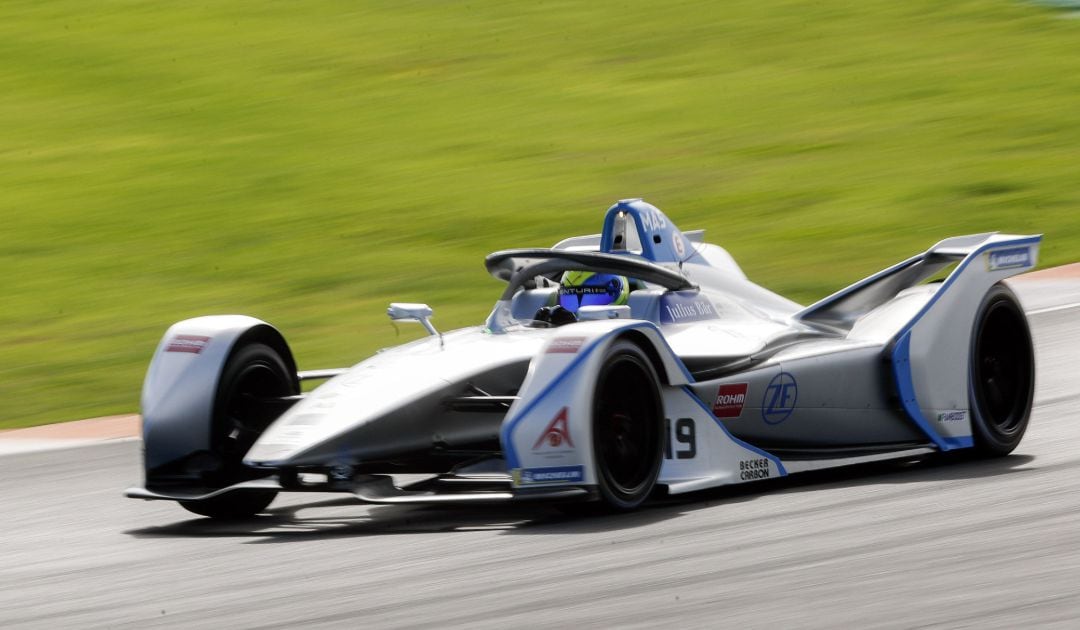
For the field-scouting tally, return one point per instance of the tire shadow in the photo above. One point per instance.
(294, 519)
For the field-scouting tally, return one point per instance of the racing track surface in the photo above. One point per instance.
(956, 544)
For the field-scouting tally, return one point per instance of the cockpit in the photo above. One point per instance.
(637, 257)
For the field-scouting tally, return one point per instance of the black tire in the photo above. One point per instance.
(627, 427)
(253, 373)
(1002, 373)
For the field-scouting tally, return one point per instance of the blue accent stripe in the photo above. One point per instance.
(901, 355)
(507, 430)
(960, 442)
(747, 446)
(901, 363)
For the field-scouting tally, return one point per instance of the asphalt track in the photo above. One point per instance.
(942, 543)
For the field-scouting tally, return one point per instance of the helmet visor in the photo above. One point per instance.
(574, 297)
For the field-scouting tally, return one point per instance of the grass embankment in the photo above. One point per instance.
(309, 163)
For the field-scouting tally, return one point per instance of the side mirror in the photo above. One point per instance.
(405, 312)
(400, 311)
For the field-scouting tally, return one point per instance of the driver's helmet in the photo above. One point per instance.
(585, 288)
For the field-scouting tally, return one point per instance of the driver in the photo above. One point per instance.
(584, 288)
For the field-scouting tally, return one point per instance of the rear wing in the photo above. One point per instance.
(1010, 254)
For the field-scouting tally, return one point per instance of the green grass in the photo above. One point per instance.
(309, 162)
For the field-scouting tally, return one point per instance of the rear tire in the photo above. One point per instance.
(1002, 373)
(253, 372)
(627, 427)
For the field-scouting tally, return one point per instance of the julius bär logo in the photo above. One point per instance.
(557, 433)
(730, 400)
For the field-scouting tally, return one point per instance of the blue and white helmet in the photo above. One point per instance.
(586, 288)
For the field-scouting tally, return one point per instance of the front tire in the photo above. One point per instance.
(254, 377)
(627, 427)
(1002, 373)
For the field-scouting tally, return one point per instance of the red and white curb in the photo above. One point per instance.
(61, 435)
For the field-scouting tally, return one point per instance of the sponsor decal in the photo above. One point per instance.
(568, 345)
(952, 416)
(682, 439)
(685, 306)
(1011, 258)
(751, 469)
(193, 344)
(680, 247)
(779, 399)
(653, 221)
(730, 399)
(557, 433)
(553, 474)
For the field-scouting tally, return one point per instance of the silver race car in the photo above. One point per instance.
(612, 368)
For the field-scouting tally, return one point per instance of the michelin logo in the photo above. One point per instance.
(554, 474)
(1012, 258)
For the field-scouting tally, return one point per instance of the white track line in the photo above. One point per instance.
(1052, 309)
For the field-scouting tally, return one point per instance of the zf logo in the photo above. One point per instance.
(780, 397)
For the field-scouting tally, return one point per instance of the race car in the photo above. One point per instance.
(614, 367)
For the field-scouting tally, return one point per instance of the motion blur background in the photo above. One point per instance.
(306, 163)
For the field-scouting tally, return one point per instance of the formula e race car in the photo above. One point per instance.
(613, 367)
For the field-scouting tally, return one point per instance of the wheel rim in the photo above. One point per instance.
(1002, 369)
(626, 426)
(245, 417)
